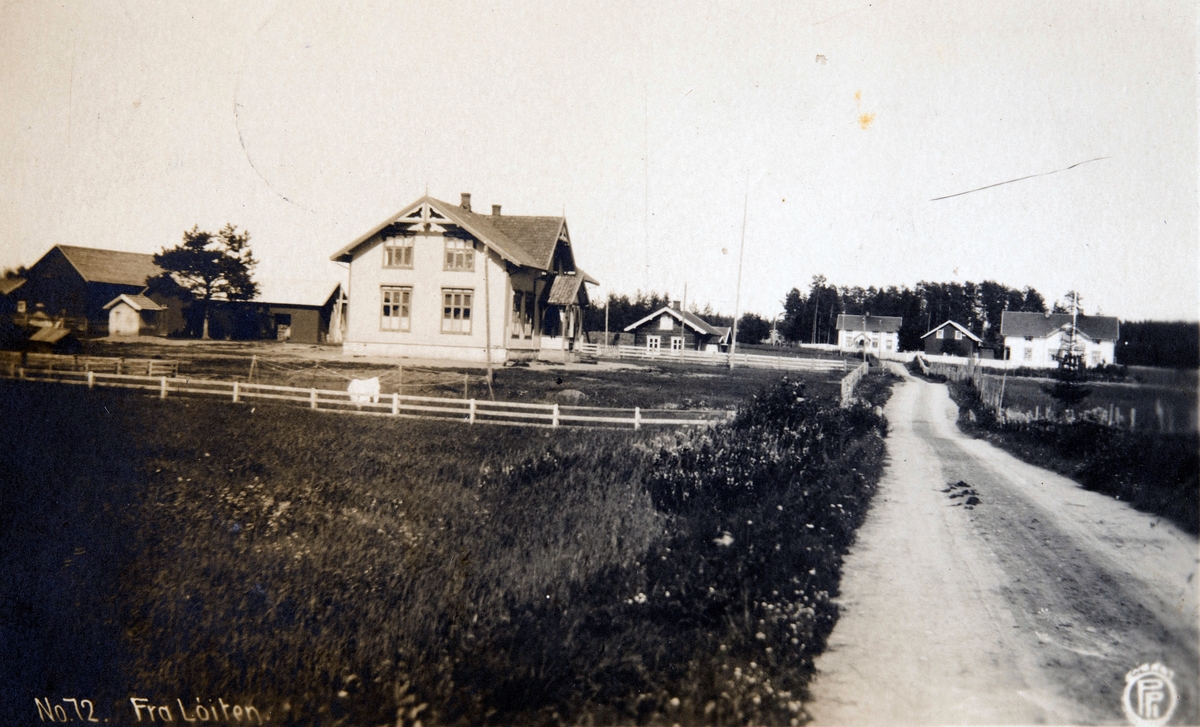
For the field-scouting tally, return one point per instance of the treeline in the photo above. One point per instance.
(1159, 343)
(811, 317)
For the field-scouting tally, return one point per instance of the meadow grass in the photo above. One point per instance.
(354, 570)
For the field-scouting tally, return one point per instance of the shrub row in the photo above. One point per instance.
(358, 571)
(1154, 472)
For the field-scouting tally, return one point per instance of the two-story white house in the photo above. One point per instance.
(1036, 339)
(879, 335)
(437, 280)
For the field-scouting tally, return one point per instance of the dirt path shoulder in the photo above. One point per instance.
(983, 590)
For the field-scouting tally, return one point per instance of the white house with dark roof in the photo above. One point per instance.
(133, 315)
(1038, 339)
(673, 329)
(438, 280)
(879, 335)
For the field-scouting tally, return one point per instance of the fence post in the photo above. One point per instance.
(162, 387)
(637, 417)
(119, 362)
(20, 372)
(471, 416)
(554, 419)
(235, 392)
(312, 398)
(91, 379)
(1132, 419)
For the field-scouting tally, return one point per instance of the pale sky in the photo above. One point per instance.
(650, 124)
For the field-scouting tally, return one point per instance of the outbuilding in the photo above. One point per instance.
(134, 315)
(951, 339)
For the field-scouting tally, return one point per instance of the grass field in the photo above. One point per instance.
(628, 385)
(1160, 407)
(347, 570)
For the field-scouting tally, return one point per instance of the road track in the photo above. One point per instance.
(1028, 607)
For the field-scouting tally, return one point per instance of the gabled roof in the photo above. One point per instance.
(53, 334)
(689, 319)
(296, 292)
(110, 266)
(8, 285)
(565, 289)
(524, 240)
(967, 333)
(873, 324)
(138, 302)
(1043, 325)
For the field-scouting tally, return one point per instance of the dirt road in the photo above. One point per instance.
(1016, 597)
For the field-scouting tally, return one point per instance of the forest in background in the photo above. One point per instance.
(810, 316)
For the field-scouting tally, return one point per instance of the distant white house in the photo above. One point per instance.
(1038, 339)
(874, 334)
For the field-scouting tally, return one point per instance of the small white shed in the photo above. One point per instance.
(132, 315)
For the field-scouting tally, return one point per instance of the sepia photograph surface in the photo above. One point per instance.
(528, 363)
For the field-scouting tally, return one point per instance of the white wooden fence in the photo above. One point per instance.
(714, 358)
(850, 380)
(473, 411)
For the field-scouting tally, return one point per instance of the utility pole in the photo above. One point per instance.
(737, 300)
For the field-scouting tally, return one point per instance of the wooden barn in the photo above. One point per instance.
(74, 285)
(951, 339)
(672, 329)
(303, 311)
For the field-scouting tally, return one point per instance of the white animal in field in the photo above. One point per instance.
(363, 390)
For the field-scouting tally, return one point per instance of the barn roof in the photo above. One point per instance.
(690, 319)
(138, 302)
(960, 327)
(110, 266)
(1042, 325)
(8, 285)
(53, 334)
(874, 324)
(296, 292)
(525, 240)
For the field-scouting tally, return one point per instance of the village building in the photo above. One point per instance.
(877, 335)
(302, 311)
(952, 339)
(74, 285)
(134, 315)
(673, 329)
(438, 280)
(1040, 339)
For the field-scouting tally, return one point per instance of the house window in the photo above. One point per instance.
(460, 254)
(889, 344)
(958, 335)
(1096, 358)
(397, 308)
(456, 310)
(666, 323)
(1028, 354)
(676, 343)
(20, 306)
(398, 252)
(653, 343)
(941, 333)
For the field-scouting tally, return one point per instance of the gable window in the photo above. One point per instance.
(666, 323)
(460, 254)
(958, 335)
(941, 333)
(398, 252)
(397, 308)
(676, 343)
(653, 343)
(456, 310)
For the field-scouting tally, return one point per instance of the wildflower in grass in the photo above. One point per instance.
(640, 598)
(725, 540)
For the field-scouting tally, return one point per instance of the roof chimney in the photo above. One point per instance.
(676, 305)
(495, 210)
(466, 201)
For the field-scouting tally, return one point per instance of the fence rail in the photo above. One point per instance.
(473, 411)
(850, 380)
(714, 358)
(12, 360)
